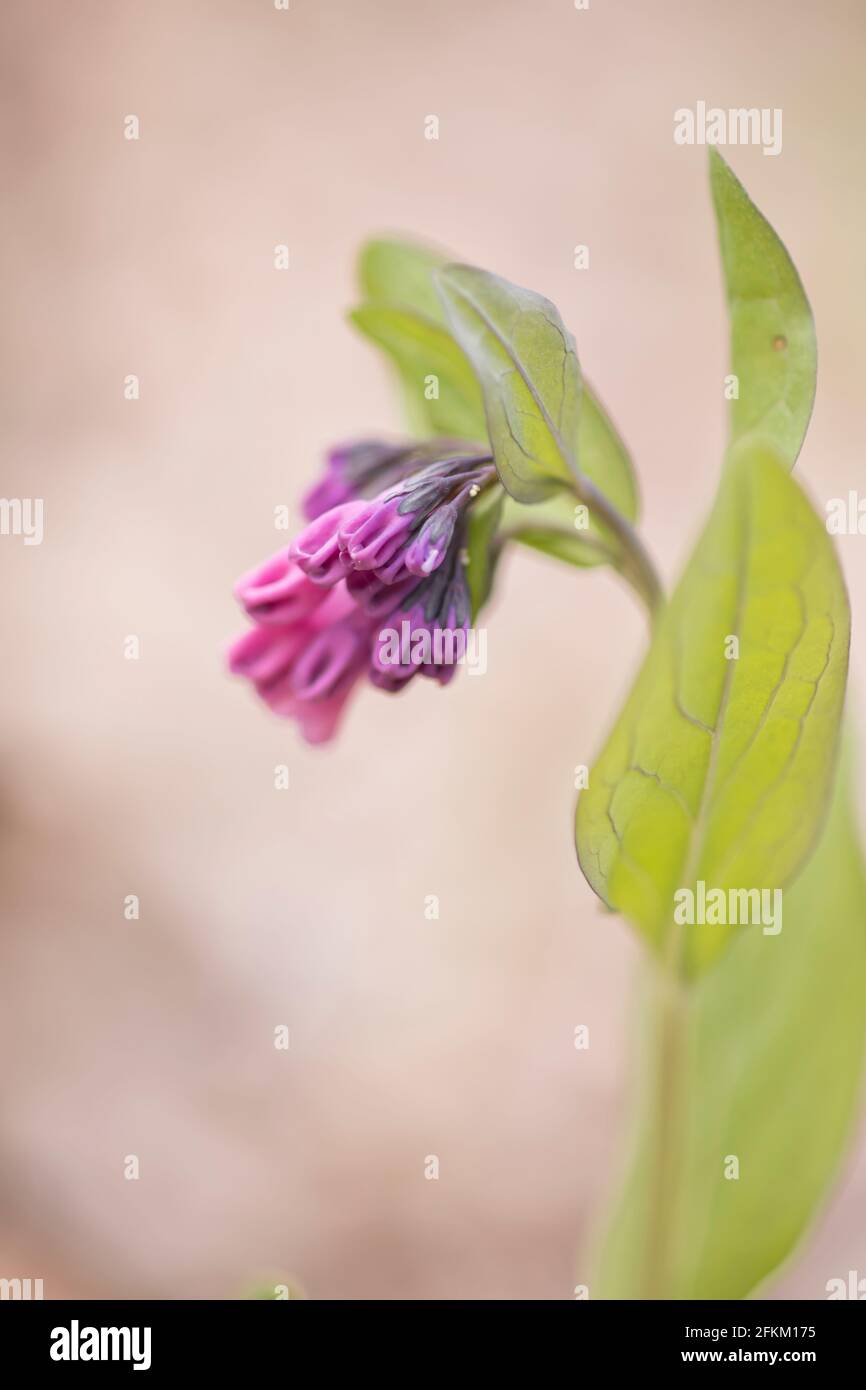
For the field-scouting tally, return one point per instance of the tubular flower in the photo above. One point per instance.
(374, 585)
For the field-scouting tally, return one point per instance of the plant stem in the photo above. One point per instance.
(668, 1138)
(631, 559)
(526, 531)
(670, 1004)
(635, 563)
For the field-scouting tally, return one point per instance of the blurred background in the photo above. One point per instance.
(155, 777)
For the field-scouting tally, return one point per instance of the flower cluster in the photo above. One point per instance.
(363, 564)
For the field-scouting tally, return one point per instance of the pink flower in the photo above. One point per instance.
(317, 550)
(305, 669)
(326, 609)
(278, 591)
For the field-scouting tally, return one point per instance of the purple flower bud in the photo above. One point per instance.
(394, 680)
(395, 573)
(317, 549)
(335, 655)
(375, 596)
(394, 643)
(331, 491)
(356, 470)
(428, 549)
(375, 533)
(359, 573)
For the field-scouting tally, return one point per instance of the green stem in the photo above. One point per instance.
(630, 558)
(635, 564)
(525, 533)
(668, 1138)
(632, 564)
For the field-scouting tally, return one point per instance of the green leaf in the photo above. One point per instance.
(420, 350)
(773, 349)
(525, 360)
(603, 457)
(554, 526)
(404, 316)
(719, 770)
(400, 273)
(773, 1044)
(397, 276)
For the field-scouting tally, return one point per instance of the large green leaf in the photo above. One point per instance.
(392, 270)
(524, 358)
(448, 405)
(771, 1064)
(718, 770)
(404, 316)
(773, 351)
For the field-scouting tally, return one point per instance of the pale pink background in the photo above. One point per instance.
(156, 777)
